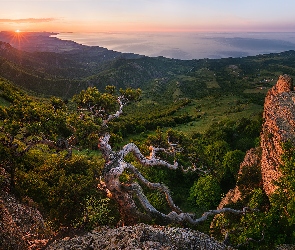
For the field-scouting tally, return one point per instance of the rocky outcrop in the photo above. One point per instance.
(140, 236)
(278, 127)
(251, 163)
(21, 226)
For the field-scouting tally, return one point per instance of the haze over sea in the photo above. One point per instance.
(187, 46)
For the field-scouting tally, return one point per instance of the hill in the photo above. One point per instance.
(50, 66)
(217, 89)
(207, 113)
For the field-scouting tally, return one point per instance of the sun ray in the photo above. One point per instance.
(17, 38)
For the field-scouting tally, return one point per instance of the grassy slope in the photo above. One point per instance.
(211, 109)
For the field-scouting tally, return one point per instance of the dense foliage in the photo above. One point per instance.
(37, 153)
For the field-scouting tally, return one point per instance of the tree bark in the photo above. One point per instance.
(126, 194)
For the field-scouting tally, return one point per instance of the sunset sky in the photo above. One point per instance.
(147, 15)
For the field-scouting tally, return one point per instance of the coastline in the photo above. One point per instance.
(188, 46)
(183, 46)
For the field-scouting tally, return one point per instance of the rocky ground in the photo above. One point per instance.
(21, 225)
(140, 236)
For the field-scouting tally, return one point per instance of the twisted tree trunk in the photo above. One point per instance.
(125, 194)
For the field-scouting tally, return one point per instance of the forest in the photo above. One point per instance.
(202, 114)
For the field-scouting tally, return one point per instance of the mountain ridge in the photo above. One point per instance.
(56, 67)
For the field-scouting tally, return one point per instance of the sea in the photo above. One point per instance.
(190, 45)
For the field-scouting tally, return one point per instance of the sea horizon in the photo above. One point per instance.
(188, 45)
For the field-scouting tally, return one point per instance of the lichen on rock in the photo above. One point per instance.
(140, 236)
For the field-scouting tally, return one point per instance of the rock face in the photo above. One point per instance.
(21, 226)
(278, 127)
(251, 161)
(140, 236)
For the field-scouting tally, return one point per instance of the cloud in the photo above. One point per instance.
(28, 20)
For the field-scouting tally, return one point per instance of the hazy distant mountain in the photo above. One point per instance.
(51, 66)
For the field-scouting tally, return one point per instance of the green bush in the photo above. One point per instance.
(206, 192)
(60, 187)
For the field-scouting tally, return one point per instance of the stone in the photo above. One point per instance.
(140, 236)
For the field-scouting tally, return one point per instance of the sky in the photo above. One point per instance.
(148, 15)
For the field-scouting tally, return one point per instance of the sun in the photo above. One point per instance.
(18, 38)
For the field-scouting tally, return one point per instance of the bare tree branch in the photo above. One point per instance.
(152, 160)
(122, 101)
(194, 168)
(156, 186)
(123, 193)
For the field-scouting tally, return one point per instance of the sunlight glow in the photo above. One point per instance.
(17, 31)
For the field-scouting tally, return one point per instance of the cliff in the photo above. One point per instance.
(249, 173)
(260, 167)
(278, 127)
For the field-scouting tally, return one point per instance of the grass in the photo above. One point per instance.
(212, 109)
(205, 112)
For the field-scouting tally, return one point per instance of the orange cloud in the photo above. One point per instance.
(28, 20)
